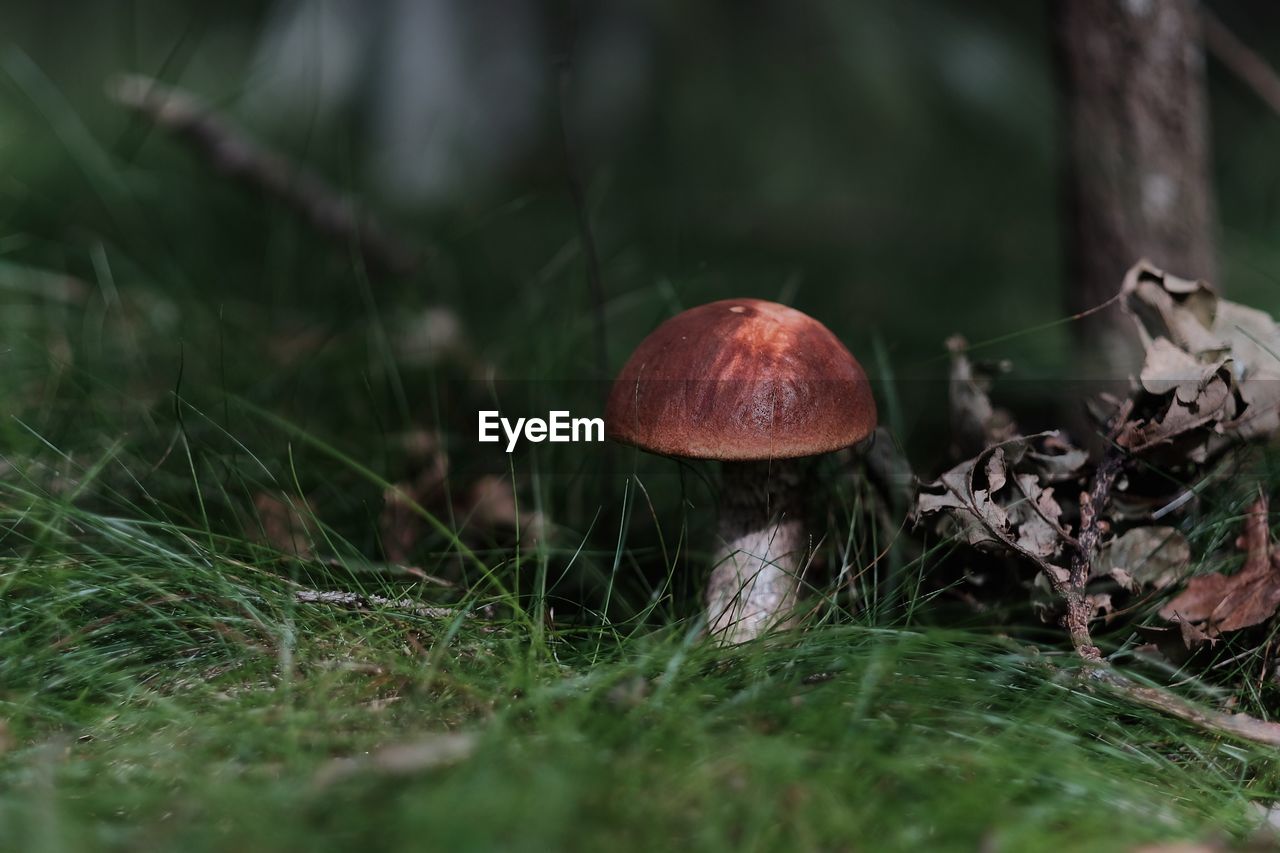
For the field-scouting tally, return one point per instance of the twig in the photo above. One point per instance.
(1092, 504)
(1241, 726)
(1241, 60)
(405, 759)
(357, 601)
(232, 153)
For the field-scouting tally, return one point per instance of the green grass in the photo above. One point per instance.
(162, 688)
(155, 703)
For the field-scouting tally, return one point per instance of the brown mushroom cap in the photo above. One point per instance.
(741, 379)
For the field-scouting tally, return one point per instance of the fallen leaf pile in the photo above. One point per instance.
(1209, 380)
(1210, 377)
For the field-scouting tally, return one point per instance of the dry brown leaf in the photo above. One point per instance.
(1164, 305)
(491, 503)
(1100, 603)
(1217, 361)
(998, 508)
(488, 503)
(1176, 644)
(1154, 557)
(282, 526)
(1055, 460)
(400, 525)
(1223, 603)
(1167, 367)
(975, 423)
(1192, 405)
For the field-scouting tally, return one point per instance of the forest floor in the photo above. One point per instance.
(243, 608)
(166, 701)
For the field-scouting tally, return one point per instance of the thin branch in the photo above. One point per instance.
(401, 759)
(1241, 60)
(356, 601)
(234, 154)
(1241, 726)
(1093, 504)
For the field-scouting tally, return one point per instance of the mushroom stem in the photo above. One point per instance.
(755, 579)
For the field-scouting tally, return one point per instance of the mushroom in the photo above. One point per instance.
(762, 388)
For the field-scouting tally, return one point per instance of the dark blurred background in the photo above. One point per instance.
(891, 167)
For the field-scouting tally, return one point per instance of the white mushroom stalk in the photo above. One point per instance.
(762, 552)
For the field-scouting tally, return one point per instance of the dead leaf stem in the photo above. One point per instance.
(1092, 504)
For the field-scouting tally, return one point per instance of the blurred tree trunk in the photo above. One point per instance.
(1136, 177)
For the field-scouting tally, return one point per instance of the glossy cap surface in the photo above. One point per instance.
(741, 379)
